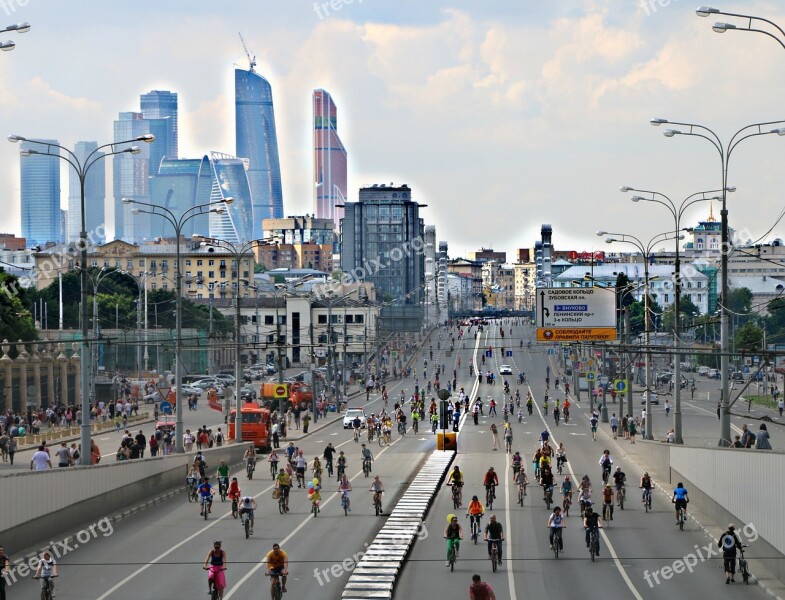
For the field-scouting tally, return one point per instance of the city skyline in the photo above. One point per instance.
(329, 160)
(541, 130)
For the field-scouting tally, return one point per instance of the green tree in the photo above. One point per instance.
(688, 312)
(749, 338)
(16, 322)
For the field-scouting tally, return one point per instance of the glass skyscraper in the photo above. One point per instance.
(231, 180)
(130, 178)
(258, 142)
(95, 195)
(162, 104)
(329, 160)
(40, 195)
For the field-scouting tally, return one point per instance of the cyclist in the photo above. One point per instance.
(561, 456)
(377, 487)
(646, 485)
(546, 481)
(556, 521)
(494, 535)
(345, 487)
(619, 479)
(248, 505)
(729, 542)
(415, 420)
(250, 455)
(605, 462)
(607, 501)
(479, 589)
(529, 404)
(556, 414)
(216, 564)
(329, 451)
(545, 459)
(566, 487)
(521, 480)
(205, 491)
(278, 564)
(680, 498)
(284, 482)
(490, 481)
(584, 495)
(234, 489)
(593, 421)
(316, 468)
(456, 479)
(47, 568)
(517, 460)
(367, 456)
(544, 437)
(300, 464)
(475, 511)
(566, 406)
(453, 533)
(357, 426)
(434, 422)
(273, 459)
(222, 473)
(592, 522)
(341, 464)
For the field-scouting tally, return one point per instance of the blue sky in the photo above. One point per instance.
(501, 115)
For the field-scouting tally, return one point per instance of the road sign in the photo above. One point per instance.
(575, 314)
(508, 353)
(550, 352)
(280, 391)
(489, 354)
(620, 385)
(166, 407)
(566, 352)
(590, 376)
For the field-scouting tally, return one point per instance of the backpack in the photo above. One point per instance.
(219, 437)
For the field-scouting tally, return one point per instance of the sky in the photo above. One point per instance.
(501, 115)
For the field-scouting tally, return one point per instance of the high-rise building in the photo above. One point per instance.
(162, 104)
(230, 180)
(258, 142)
(40, 195)
(130, 179)
(329, 160)
(95, 196)
(384, 228)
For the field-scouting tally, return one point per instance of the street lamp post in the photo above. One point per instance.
(178, 224)
(19, 28)
(141, 284)
(754, 130)
(678, 213)
(646, 250)
(705, 11)
(82, 168)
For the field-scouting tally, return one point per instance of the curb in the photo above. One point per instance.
(375, 574)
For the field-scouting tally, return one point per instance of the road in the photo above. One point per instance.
(158, 553)
(635, 547)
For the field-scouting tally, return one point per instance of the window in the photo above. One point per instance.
(211, 263)
(359, 318)
(269, 320)
(129, 264)
(349, 319)
(153, 265)
(199, 262)
(322, 338)
(141, 262)
(187, 262)
(211, 274)
(322, 319)
(223, 264)
(164, 265)
(700, 298)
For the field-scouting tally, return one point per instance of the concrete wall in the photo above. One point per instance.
(658, 458)
(39, 506)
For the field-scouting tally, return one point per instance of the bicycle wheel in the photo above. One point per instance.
(281, 504)
(452, 558)
(681, 521)
(247, 526)
(345, 507)
(494, 560)
(234, 509)
(381, 441)
(277, 592)
(556, 540)
(520, 495)
(592, 548)
(621, 501)
(189, 492)
(204, 510)
(314, 510)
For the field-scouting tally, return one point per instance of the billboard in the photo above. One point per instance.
(577, 314)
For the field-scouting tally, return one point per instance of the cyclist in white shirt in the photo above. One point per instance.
(300, 464)
(248, 505)
(47, 568)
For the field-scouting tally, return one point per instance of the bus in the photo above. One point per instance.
(255, 425)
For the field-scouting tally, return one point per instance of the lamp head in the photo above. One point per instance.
(601, 233)
(133, 150)
(722, 27)
(705, 11)
(779, 131)
(136, 211)
(624, 189)
(26, 152)
(218, 211)
(7, 46)
(671, 132)
(730, 188)
(21, 27)
(228, 200)
(657, 121)
(128, 201)
(609, 240)
(147, 138)
(637, 198)
(16, 138)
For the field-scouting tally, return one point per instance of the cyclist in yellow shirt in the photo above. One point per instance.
(283, 482)
(278, 564)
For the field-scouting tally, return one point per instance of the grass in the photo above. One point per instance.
(766, 401)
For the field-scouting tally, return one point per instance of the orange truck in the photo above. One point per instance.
(255, 428)
(298, 394)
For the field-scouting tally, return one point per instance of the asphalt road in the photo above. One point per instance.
(634, 547)
(158, 553)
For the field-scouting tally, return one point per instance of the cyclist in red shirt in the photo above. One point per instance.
(480, 590)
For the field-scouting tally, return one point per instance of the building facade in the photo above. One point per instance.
(95, 196)
(40, 195)
(257, 140)
(471, 270)
(131, 179)
(162, 104)
(329, 160)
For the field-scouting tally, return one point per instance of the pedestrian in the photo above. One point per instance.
(614, 425)
(729, 542)
(11, 450)
(480, 590)
(188, 440)
(762, 438)
(632, 430)
(297, 418)
(747, 437)
(153, 446)
(41, 460)
(219, 438)
(276, 435)
(5, 571)
(306, 421)
(781, 405)
(624, 427)
(667, 408)
(495, 436)
(63, 455)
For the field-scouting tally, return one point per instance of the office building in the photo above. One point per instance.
(236, 224)
(95, 196)
(40, 195)
(131, 178)
(329, 160)
(257, 141)
(162, 104)
(179, 185)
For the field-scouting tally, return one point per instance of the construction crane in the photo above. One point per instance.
(251, 57)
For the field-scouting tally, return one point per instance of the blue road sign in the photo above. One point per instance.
(166, 407)
(489, 354)
(550, 353)
(509, 353)
(620, 385)
(589, 376)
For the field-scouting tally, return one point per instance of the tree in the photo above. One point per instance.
(688, 312)
(749, 338)
(16, 322)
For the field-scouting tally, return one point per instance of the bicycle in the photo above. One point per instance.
(556, 418)
(46, 587)
(647, 499)
(283, 505)
(521, 493)
(223, 485)
(314, 508)
(594, 542)
(377, 502)
(556, 544)
(215, 593)
(329, 466)
(246, 518)
(456, 495)
(494, 554)
(274, 468)
(548, 496)
(384, 439)
(565, 505)
(341, 470)
(356, 436)
(743, 567)
(366, 467)
(206, 502)
(452, 554)
(490, 495)
(275, 580)
(606, 472)
(416, 426)
(192, 490)
(620, 494)
(681, 517)
(235, 507)
(474, 520)
(560, 464)
(345, 503)
(250, 467)
(607, 512)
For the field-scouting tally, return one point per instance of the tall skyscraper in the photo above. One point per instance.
(40, 198)
(258, 142)
(95, 195)
(385, 226)
(130, 178)
(329, 160)
(162, 104)
(231, 180)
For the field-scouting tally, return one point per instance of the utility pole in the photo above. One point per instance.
(365, 354)
(343, 369)
(281, 364)
(629, 370)
(312, 359)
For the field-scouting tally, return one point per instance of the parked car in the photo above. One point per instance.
(207, 383)
(737, 376)
(225, 378)
(703, 370)
(505, 370)
(248, 393)
(190, 390)
(713, 374)
(655, 399)
(153, 398)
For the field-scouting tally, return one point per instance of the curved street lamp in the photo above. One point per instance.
(720, 27)
(725, 152)
(19, 28)
(82, 168)
(645, 249)
(178, 223)
(678, 212)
